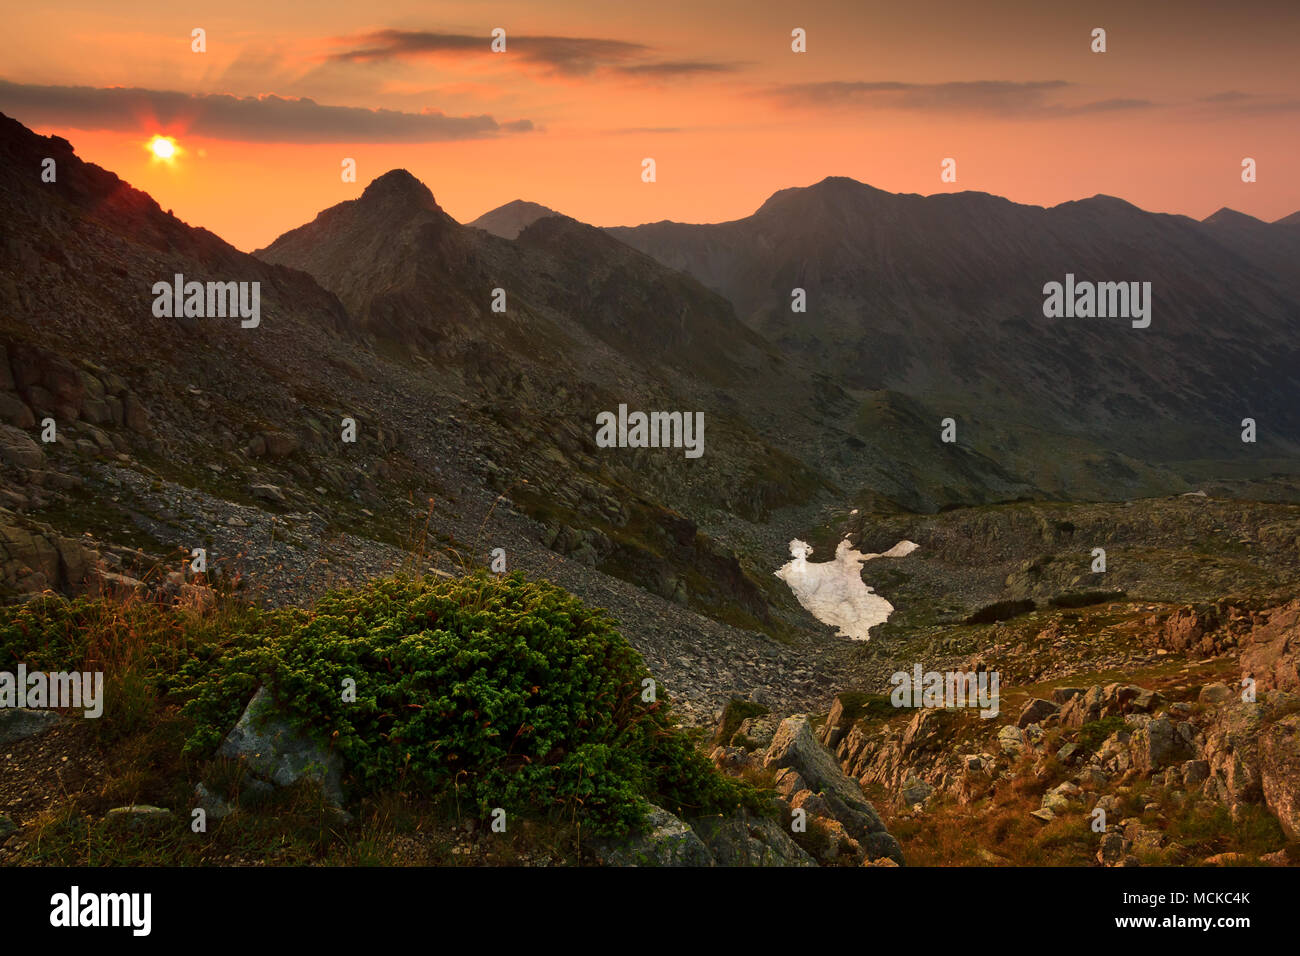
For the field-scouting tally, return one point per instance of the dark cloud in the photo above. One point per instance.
(674, 68)
(565, 56)
(572, 56)
(1227, 96)
(1249, 104)
(257, 119)
(997, 97)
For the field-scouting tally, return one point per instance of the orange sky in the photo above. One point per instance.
(711, 91)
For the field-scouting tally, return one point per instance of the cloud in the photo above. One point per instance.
(675, 68)
(1251, 104)
(992, 97)
(562, 56)
(254, 119)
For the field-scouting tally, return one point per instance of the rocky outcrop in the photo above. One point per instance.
(796, 747)
(1270, 653)
(34, 558)
(1279, 771)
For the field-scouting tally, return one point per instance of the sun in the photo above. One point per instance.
(163, 147)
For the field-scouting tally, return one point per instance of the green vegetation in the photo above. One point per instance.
(733, 715)
(1094, 733)
(483, 691)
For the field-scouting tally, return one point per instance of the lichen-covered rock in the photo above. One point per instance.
(666, 841)
(745, 840)
(273, 750)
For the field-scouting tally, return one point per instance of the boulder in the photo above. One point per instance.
(915, 791)
(271, 749)
(665, 841)
(755, 732)
(20, 723)
(1011, 741)
(1159, 743)
(746, 840)
(265, 492)
(1035, 711)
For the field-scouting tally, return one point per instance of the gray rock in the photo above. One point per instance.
(745, 840)
(1011, 740)
(140, 816)
(915, 791)
(755, 732)
(796, 746)
(1158, 744)
(7, 827)
(273, 750)
(1072, 753)
(211, 804)
(1065, 796)
(265, 492)
(667, 841)
(20, 723)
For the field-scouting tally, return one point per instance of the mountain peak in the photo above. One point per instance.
(514, 217)
(399, 184)
(1227, 215)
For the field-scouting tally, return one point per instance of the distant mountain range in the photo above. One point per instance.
(941, 298)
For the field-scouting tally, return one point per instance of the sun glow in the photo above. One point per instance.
(163, 148)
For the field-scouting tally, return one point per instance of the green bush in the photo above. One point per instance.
(508, 692)
(1095, 732)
